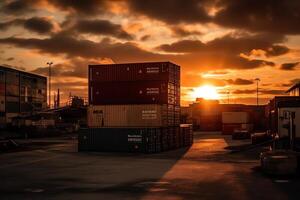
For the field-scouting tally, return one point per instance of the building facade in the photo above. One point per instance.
(294, 90)
(20, 93)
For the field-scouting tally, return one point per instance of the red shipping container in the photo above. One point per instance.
(129, 92)
(155, 71)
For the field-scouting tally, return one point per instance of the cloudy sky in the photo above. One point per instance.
(225, 43)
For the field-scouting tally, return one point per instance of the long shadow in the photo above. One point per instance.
(111, 175)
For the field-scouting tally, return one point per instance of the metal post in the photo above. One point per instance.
(228, 96)
(257, 80)
(49, 65)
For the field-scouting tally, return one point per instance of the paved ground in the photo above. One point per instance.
(52, 169)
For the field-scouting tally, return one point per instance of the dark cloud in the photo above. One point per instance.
(172, 11)
(10, 59)
(86, 7)
(277, 50)
(181, 32)
(224, 52)
(39, 24)
(246, 91)
(72, 47)
(183, 46)
(75, 67)
(18, 6)
(231, 44)
(5, 25)
(275, 16)
(273, 92)
(217, 72)
(102, 27)
(129, 52)
(145, 37)
(289, 84)
(289, 66)
(240, 81)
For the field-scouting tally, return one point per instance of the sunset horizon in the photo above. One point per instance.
(211, 43)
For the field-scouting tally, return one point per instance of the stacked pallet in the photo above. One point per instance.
(133, 108)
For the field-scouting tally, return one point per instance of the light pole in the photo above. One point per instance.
(228, 93)
(257, 80)
(49, 65)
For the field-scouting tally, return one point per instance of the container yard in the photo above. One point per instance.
(134, 107)
(149, 100)
(133, 140)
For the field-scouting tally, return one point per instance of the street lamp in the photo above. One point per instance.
(228, 93)
(49, 65)
(257, 80)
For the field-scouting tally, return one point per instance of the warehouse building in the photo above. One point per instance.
(20, 93)
(206, 115)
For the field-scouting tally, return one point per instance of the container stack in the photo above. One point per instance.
(133, 108)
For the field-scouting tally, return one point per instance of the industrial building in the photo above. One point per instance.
(206, 115)
(20, 93)
(294, 90)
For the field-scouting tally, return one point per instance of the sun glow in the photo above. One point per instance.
(206, 92)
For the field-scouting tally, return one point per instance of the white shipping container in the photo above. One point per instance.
(283, 119)
(235, 117)
(133, 115)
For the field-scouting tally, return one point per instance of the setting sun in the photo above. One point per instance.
(206, 92)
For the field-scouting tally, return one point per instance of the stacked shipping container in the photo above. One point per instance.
(140, 99)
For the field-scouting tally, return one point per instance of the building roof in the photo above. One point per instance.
(297, 85)
(21, 71)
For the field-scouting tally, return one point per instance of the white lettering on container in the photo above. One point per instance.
(149, 114)
(152, 90)
(135, 138)
(150, 70)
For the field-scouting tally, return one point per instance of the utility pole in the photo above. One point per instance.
(58, 99)
(228, 93)
(257, 80)
(49, 65)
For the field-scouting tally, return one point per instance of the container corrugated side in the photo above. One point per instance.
(140, 140)
(135, 72)
(146, 115)
(235, 117)
(146, 92)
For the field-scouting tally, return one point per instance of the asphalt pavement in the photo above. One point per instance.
(53, 169)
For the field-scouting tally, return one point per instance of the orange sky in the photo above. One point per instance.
(225, 43)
